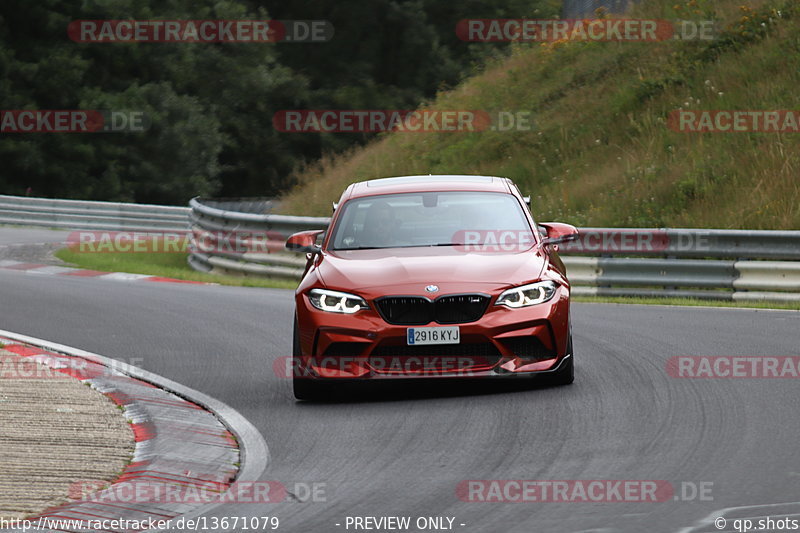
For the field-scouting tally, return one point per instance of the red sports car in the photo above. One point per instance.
(431, 277)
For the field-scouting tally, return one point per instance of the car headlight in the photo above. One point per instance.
(526, 295)
(336, 302)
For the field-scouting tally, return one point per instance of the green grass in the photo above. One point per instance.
(168, 265)
(601, 152)
(691, 302)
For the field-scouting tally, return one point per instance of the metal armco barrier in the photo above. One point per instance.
(79, 214)
(678, 242)
(241, 237)
(697, 263)
(685, 278)
(221, 227)
(712, 264)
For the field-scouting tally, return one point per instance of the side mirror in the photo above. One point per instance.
(558, 232)
(304, 242)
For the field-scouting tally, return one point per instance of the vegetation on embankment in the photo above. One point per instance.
(601, 153)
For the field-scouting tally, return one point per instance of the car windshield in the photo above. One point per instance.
(428, 219)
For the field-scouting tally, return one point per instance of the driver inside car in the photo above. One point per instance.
(380, 226)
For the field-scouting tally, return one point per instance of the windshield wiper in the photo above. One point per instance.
(403, 246)
(359, 248)
(430, 245)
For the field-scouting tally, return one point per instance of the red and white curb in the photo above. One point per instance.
(49, 270)
(181, 440)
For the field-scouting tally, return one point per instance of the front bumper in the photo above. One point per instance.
(502, 343)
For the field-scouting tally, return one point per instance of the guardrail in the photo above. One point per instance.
(222, 227)
(735, 265)
(700, 263)
(738, 265)
(86, 215)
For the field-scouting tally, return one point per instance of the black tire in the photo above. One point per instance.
(566, 374)
(305, 387)
(308, 389)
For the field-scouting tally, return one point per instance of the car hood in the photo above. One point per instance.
(415, 268)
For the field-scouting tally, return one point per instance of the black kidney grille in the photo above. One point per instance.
(415, 310)
(406, 310)
(461, 308)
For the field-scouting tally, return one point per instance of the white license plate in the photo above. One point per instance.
(446, 335)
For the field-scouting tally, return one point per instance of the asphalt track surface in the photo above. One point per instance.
(401, 454)
(16, 235)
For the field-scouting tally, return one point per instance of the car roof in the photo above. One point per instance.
(403, 184)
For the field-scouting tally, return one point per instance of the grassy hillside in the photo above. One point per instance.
(601, 153)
